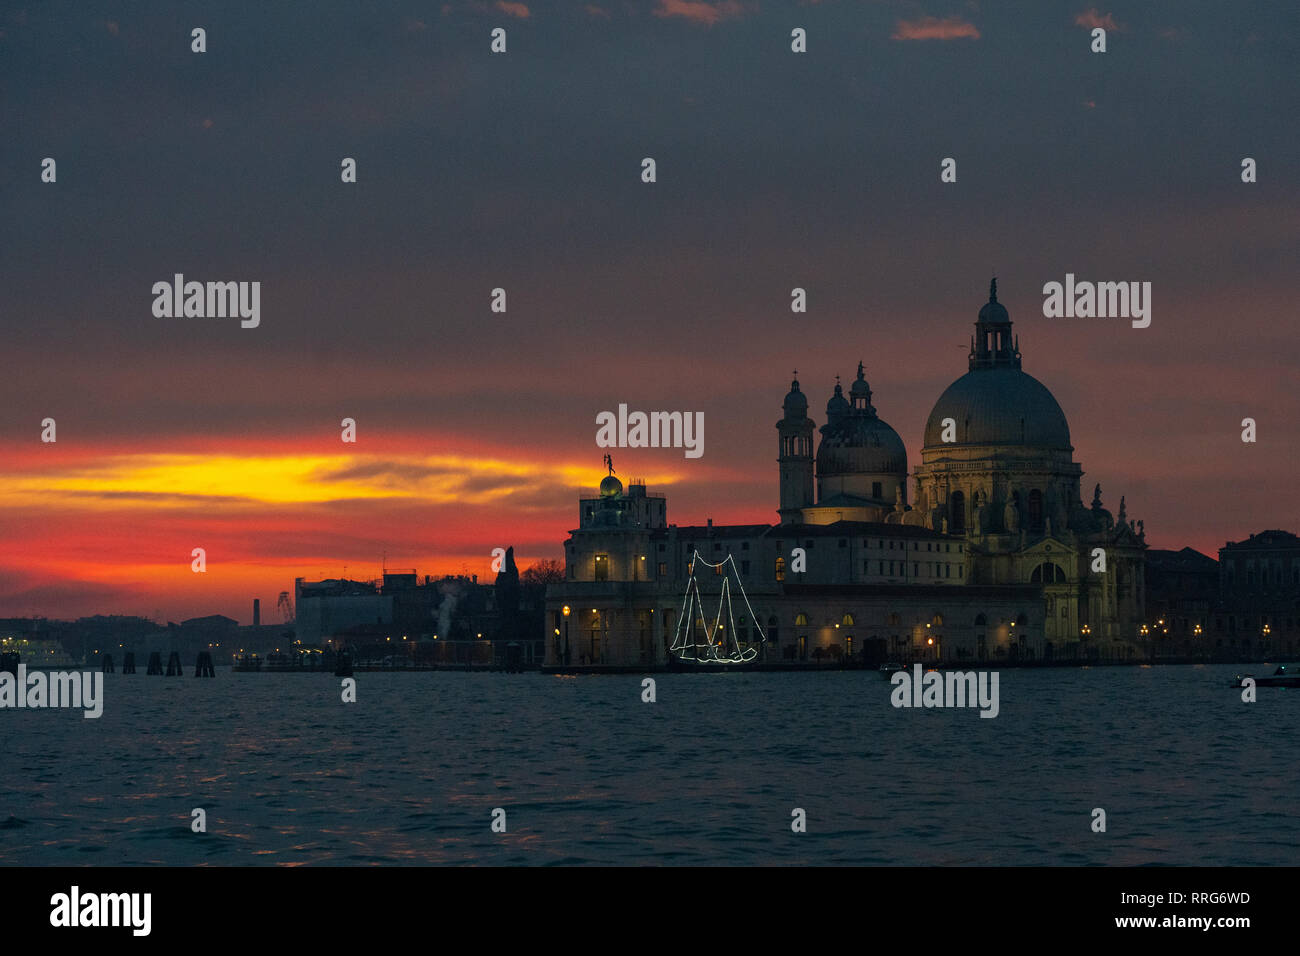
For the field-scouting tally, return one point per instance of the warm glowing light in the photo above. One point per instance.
(565, 612)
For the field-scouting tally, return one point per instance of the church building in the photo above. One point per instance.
(992, 557)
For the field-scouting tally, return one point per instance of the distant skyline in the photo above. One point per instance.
(522, 171)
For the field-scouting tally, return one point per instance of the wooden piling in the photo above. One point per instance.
(203, 668)
(155, 664)
(107, 663)
(128, 662)
(174, 664)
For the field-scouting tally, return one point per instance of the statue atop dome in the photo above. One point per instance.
(610, 487)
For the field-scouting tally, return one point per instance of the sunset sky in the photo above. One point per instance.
(522, 171)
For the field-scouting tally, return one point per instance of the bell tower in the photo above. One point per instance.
(796, 456)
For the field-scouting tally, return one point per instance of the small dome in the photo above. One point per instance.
(838, 405)
(860, 388)
(796, 403)
(994, 311)
(610, 487)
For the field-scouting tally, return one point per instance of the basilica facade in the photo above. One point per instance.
(991, 556)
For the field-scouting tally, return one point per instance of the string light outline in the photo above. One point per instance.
(693, 596)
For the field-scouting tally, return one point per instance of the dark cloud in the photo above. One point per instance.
(775, 169)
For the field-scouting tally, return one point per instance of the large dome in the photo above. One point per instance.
(998, 406)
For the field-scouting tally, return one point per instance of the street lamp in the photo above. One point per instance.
(566, 633)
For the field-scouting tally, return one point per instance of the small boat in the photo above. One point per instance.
(890, 668)
(1281, 678)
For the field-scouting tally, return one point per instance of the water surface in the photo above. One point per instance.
(708, 774)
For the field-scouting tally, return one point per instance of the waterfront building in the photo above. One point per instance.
(1259, 586)
(1182, 595)
(993, 560)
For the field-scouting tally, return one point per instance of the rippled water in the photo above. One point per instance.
(587, 773)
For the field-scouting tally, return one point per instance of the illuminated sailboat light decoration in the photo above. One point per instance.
(721, 643)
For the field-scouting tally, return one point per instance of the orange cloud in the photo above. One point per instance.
(1091, 19)
(932, 28)
(698, 11)
(109, 528)
(519, 10)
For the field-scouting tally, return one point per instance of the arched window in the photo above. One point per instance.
(957, 513)
(847, 620)
(1021, 620)
(801, 619)
(937, 620)
(1035, 510)
(1047, 573)
(894, 620)
(981, 620)
(780, 569)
